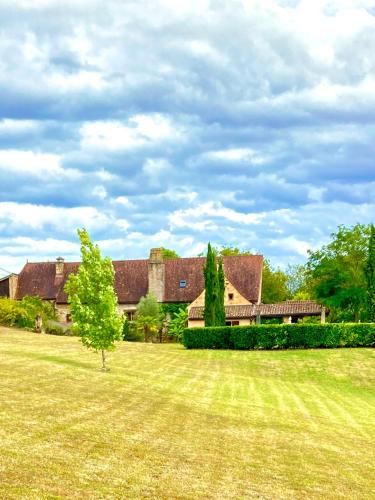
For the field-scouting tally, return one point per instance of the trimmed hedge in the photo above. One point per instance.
(281, 336)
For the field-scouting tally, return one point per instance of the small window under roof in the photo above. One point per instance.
(182, 283)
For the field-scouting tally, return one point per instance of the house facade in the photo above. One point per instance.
(172, 281)
(178, 280)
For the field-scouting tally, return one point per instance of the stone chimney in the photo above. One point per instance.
(59, 267)
(13, 282)
(156, 273)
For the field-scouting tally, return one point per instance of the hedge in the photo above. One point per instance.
(281, 336)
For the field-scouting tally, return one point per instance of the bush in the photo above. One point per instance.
(281, 336)
(130, 332)
(22, 313)
(55, 330)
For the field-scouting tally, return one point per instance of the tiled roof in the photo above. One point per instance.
(131, 278)
(244, 272)
(290, 308)
(287, 308)
(38, 279)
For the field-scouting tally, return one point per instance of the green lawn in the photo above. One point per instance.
(170, 423)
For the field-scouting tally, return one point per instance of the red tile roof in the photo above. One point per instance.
(131, 278)
(287, 308)
(244, 272)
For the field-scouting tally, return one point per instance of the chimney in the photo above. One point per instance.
(59, 267)
(13, 282)
(156, 273)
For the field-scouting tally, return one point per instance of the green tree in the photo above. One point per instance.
(297, 282)
(147, 318)
(336, 273)
(169, 254)
(92, 299)
(231, 251)
(274, 284)
(370, 276)
(220, 309)
(211, 288)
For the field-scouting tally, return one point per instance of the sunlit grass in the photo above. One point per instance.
(166, 422)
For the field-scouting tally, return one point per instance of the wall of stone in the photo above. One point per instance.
(236, 300)
(62, 310)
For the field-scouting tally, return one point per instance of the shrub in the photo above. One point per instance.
(55, 330)
(130, 333)
(281, 336)
(22, 313)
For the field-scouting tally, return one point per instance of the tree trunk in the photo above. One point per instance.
(104, 368)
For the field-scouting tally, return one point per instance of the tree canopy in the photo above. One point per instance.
(336, 273)
(170, 254)
(92, 299)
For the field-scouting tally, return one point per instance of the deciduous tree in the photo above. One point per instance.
(336, 273)
(92, 299)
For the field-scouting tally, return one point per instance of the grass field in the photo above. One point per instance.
(170, 423)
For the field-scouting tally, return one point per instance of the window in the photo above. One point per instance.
(233, 322)
(182, 283)
(230, 296)
(130, 315)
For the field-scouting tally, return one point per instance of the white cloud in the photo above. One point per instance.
(141, 130)
(124, 201)
(41, 165)
(122, 224)
(155, 169)
(24, 245)
(10, 126)
(99, 192)
(238, 154)
(27, 216)
(191, 217)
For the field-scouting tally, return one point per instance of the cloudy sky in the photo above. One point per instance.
(167, 123)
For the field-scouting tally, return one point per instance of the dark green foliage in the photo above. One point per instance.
(215, 337)
(211, 288)
(336, 273)
(370, 276)
(130, 332)
(172, 308)
(281, 336)
(220, 309)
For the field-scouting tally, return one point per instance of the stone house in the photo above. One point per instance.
(170, 280)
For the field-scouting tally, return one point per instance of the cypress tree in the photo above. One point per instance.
(211, 288)
(370, 276)
(220, 309)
